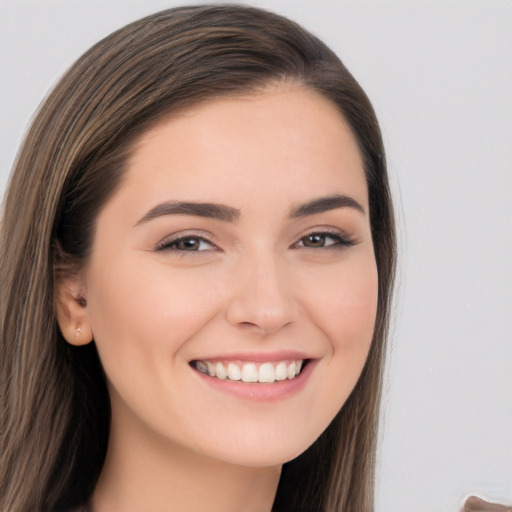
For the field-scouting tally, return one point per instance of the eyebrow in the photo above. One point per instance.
(324, 204)
(207, 210)
(229, 214)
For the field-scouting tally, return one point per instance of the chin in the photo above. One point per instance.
(263, 449)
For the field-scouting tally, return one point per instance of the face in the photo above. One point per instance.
(232, 284)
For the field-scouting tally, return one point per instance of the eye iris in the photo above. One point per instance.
(188, 244)
(314, 240)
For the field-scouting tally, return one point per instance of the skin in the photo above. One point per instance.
(255, 286)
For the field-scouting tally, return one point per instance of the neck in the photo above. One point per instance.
(142, 472)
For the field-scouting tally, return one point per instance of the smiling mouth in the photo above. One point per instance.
(251, 371)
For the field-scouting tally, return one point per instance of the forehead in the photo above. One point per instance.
(282, 142)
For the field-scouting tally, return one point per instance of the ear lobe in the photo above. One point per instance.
(71, 311)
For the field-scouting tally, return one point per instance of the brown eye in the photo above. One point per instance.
(324, 240)
(315, 240)
(186, 244)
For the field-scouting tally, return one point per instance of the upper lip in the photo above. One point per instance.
(257, 357)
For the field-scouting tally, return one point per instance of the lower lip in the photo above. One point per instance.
(260, 392)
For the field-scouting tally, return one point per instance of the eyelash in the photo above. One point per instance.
(338, 241)
(171, 244)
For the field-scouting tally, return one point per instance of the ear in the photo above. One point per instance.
(71, 310)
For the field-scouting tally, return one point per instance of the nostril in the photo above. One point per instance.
(254, 327)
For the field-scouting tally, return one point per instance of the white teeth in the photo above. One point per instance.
(251, 372)
(234, 372)
(211, 369)
(281, 371)
(266, 373)
(220, 370)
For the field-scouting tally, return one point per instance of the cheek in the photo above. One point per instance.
(143, 317)
(347, 308)
(143, 313)
(346, 313)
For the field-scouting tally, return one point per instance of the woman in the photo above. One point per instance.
(197, 264)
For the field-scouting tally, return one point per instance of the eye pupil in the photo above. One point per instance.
(188, 244)
(314, 240)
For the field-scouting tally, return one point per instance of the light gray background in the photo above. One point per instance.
(439, 74)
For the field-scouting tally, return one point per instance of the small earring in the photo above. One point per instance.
(78, 332)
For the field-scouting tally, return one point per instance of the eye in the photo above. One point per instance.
(323, 240)
(188, 243)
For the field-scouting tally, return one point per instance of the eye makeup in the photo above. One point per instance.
(324, 239)
(186, 243)
(316, 239)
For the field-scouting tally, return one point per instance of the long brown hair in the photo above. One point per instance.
(55, 405)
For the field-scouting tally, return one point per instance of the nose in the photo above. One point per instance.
(263, 298)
